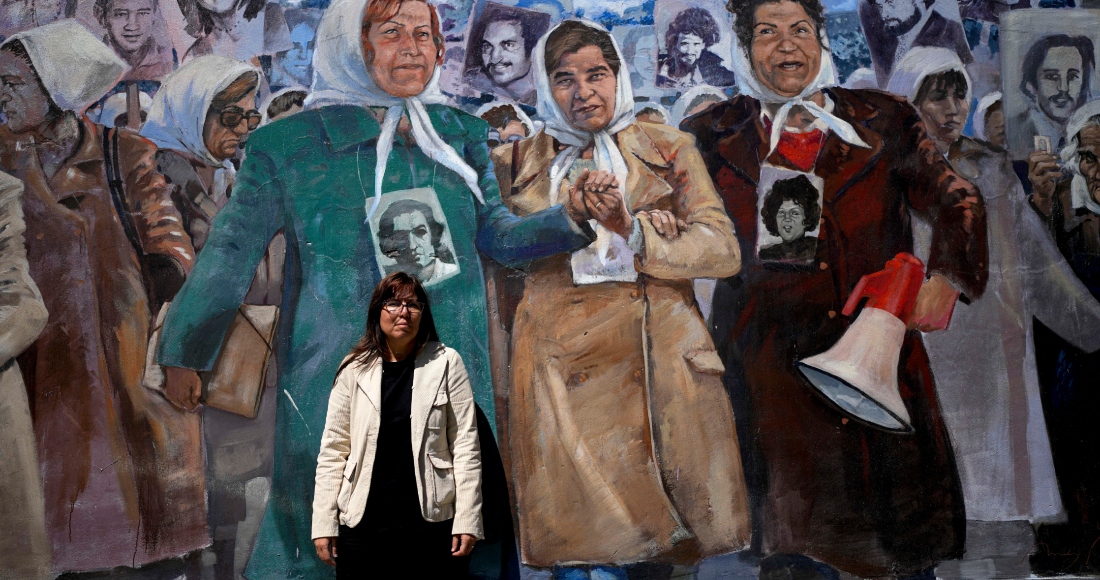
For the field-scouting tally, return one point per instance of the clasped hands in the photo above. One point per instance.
(596, 195)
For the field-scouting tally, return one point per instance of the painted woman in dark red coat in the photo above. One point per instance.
(829, 492)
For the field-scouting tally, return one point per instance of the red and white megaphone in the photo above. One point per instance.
(859, 374)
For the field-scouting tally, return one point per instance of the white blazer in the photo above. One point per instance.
(445, 445)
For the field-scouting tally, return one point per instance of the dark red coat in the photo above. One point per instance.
(865, 501)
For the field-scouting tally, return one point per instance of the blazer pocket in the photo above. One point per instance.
(443, 480)
(437, 415)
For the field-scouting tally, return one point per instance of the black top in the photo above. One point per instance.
(393, 501)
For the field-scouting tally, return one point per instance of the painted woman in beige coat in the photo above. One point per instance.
(24, 547)
(623, 444)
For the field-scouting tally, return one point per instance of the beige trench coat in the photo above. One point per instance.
(24, 546)
(621, 434)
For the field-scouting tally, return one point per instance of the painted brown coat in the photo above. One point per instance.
(862, 500)
(122, 468)
(623, 444)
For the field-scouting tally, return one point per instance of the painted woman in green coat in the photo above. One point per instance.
(378, 174)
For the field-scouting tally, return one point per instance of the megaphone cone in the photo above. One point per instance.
(859, 374)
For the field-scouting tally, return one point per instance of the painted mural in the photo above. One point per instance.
(549, 289)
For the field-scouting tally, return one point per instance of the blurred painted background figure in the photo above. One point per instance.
(112, 112)
(507, 123)
(989, 120)
(1068, 374)
(640, 52)
(130, 25)
(695, 101)
(375, 126)
(294, 67)
(623, 447)
(198, 121)
(871, 503)
(24, 545)
(984, 362)
(122, 468)
(688, 61)
(283, 103)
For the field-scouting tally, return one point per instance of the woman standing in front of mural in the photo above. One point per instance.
(121, 468)
(400, 463)
(623, 442)
(872, 503)
(376, 135)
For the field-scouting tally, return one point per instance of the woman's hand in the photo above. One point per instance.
(605, 204)
(326, 550)
(935, 303)
(666, 223)
(183, 387)
(462, 545)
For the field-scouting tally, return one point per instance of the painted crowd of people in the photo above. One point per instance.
(613, 295)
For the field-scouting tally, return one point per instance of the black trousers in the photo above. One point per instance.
(410, 550)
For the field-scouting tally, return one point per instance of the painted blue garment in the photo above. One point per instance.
(309, 175)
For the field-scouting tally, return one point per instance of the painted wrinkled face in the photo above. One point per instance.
(221, 141)
(584, 88)
(645, 57)
(411, 241)
(786, 52)
(503, 53)
(1059, 82)
(790, 221)
(299, 58)
(1088, 154)
(23, 105)
(130, 22)
(899, 16)
(944, 112)
(405, 54)
(689, 48)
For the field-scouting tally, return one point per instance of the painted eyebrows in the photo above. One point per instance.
(598, 68)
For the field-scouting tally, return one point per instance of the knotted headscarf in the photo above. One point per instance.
(606, 152)
(76, 68)
(340, 77)
(748, 84)
(1079, 187)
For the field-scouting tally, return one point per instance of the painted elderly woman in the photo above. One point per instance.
(121, 468)
(829, 491)
(623, 443)
(376, 133)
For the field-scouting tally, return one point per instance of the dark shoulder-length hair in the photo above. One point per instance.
(401, 286)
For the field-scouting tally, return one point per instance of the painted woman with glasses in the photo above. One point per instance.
(199, 119)
(400, 463)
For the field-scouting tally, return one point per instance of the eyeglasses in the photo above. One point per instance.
(394, 306)
(232, 116)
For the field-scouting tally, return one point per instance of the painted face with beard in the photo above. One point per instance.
(503, 52)
(899, 16)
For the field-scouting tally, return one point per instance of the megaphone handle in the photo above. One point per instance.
(855, 297)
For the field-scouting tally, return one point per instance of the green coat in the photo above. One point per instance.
(309, 175)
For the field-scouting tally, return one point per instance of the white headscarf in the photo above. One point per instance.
(748, 84)
(116, 105)
(920, 63)
(1079, 187)
(606, 151)
(340, 77)
(643, 105)
(979, 113)
(75, 67)
(178, 113)
(592, 264)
